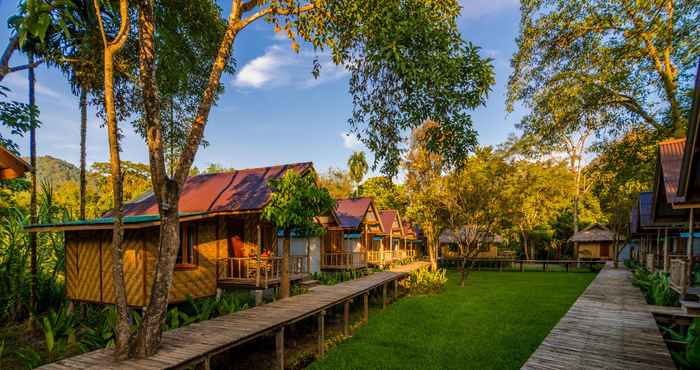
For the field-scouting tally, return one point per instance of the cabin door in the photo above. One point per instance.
(604, 250)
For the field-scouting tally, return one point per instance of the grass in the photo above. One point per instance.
(495, 322)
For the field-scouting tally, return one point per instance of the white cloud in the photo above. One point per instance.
(279, 66)
(475, 9)
(18, 82)
(350, 141)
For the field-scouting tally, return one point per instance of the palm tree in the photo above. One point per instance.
(357, 165)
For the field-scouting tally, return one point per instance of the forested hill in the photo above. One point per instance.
(55, 170)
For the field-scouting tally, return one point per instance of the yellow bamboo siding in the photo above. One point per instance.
(133, 267)
(200, 281)
(108, 295)
(71, 267)
(88, 269)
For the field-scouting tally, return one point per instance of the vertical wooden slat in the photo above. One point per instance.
(346, 318)
(279, 347)
(321, 333)
(365, 308)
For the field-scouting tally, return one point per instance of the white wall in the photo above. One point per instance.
(352, 245)
(298, 247)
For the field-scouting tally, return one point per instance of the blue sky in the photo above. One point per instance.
(273, 111)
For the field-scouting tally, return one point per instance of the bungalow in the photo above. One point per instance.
(410, 240)
(345, 247)
(488, 244)
(224, 241)
(11, 166)
(594, 242)
(386, 248)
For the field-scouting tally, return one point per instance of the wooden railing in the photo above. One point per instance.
(651, 262)
(262, 270)
(387, 256)
(299, 264)
(374, 257)
(679, 275)
(345, 260)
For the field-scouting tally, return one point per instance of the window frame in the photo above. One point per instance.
(187, 256)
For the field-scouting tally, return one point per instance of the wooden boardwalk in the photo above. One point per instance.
(198, 342)
(610, 326)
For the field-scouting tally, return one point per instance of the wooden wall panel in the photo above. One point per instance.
(108, 295)
(71, 266)
(201, 281)
(89, 268)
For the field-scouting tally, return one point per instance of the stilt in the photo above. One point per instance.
(384, 296)
(365, 303)
(666, 260)
(279, 346)
(396, 289)
(321, 334)
(346, 318)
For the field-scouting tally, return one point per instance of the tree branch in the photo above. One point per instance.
(276, 11)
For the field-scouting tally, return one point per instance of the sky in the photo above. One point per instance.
(272, 111)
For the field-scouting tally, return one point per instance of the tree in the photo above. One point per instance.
(472, 200)
(534, 193)
(424, 188)
(337, 181)
(386, 194)
(626, 57)
(357, 167)
(295, 203)
(411, 49)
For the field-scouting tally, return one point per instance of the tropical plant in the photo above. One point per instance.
(689, 357)
(425, 281)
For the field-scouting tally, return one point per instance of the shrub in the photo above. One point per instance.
(656, 287)
(424, 281)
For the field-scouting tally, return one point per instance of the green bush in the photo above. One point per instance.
(424, 281)
(689, 358)
(656, 287)
(332, 278)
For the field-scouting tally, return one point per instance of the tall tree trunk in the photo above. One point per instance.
(462, 270)
(167, 189)
(284, 278)
(110, 48)
(148, 337)
(83, 150)
(33, 201)
(432, 250)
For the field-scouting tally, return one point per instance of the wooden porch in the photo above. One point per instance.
(259, 272)
(344, 261)
(610, 326)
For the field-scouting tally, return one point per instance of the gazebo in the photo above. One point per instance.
(594, 243)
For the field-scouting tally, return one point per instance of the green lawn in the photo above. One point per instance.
(495, 322)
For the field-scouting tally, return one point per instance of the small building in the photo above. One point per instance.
(449, 243)
(12, 166)
(345, 247)
(224, 241)
(594, 242)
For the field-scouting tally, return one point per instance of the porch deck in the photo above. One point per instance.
(610, 326)
(253, 283)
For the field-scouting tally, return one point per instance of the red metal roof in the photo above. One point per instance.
(387, 218)
(242, 190)
(351, 211)
(671, 157)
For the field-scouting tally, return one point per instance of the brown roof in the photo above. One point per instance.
(237, 191)
(671, 158)
(11, 166)
(594, 233)
(408, 230)
(351, 211)
(688, 170)
(387, 217)
(449, 236)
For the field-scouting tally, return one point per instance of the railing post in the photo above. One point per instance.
(396, 289)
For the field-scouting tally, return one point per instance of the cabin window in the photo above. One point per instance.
(186, 254)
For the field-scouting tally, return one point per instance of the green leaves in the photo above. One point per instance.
(295, 202)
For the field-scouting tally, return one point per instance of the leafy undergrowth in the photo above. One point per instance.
(495, 322)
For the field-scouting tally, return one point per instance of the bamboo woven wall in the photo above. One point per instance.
(89, 265)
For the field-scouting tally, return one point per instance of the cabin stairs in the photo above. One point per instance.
(691, 301)
(308, 282)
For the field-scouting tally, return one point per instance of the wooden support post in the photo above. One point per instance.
(321, 334)
(500, 266)
(384, 296)
(207, 363)
(279, 347)
(690, 245)
(346, 318)
(566, 266)
(666, 260)
(365, 303)
(521, 266)
(396, 289)
(544, 266)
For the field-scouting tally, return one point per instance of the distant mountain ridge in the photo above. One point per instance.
(55, 170)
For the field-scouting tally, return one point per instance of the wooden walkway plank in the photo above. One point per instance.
(608, 327)
(187, 345)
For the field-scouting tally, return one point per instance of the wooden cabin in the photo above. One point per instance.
(12, 166)
(346, 247)
(224, 242)
(449, 248)
(410, 240)
(596, 242)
